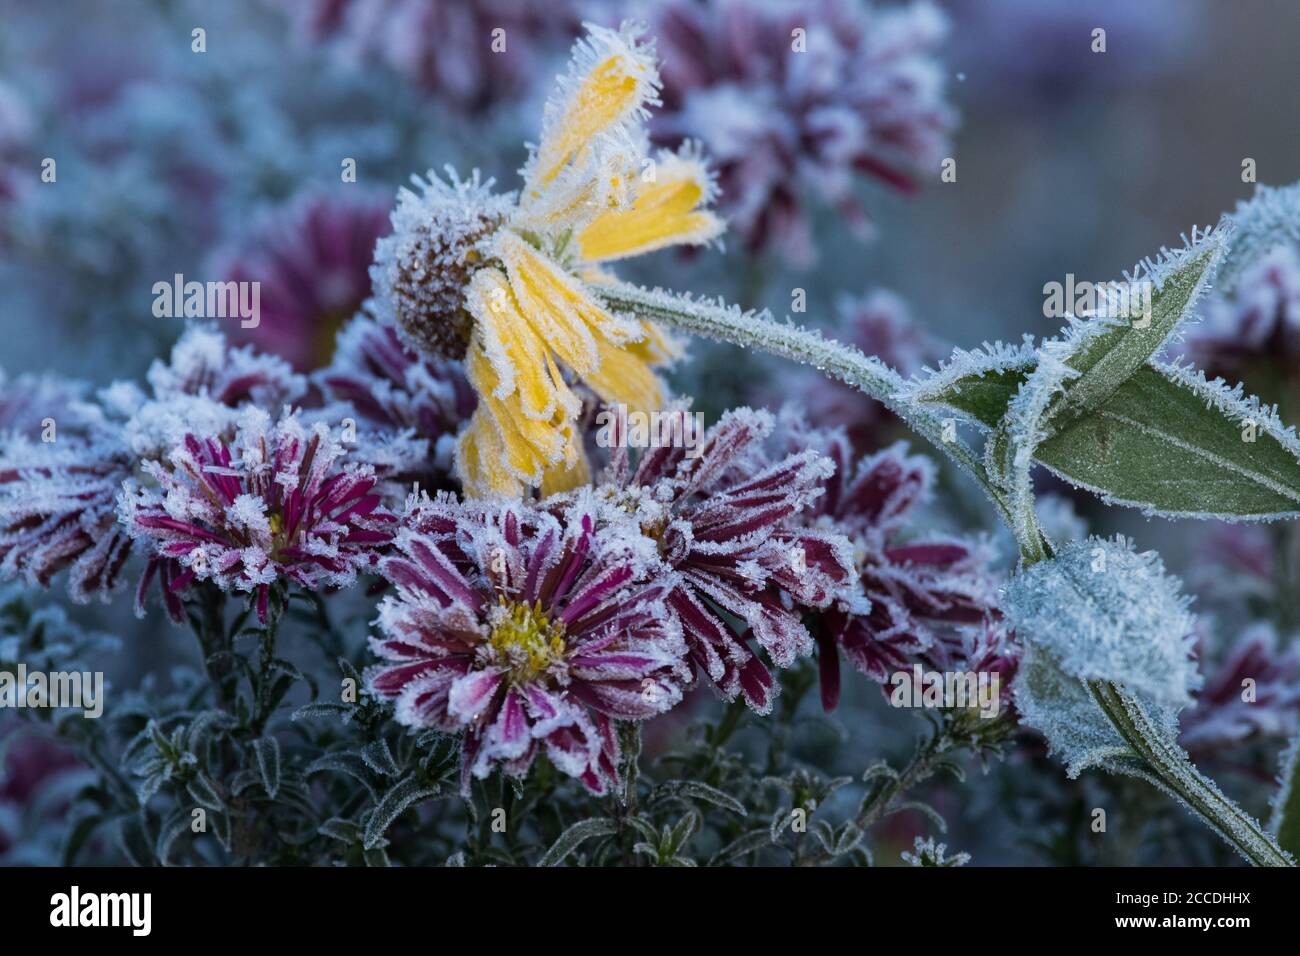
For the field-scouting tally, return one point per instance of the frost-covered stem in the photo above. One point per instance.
(266, 665)
(629, 739)
(1173, 771)
(886, 799)
(760, 331)
(210, 629)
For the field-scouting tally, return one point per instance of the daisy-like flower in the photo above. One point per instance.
(312, 259)
(795, 99)
(725, 520)
(277, 503)
(919, 587)
(394, 387)
(509, 281)
(528, 631)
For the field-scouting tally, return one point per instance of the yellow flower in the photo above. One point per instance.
(518, 272)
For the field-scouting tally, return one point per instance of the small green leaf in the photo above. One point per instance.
(694, 790)
(1286, 804)
(267, 750)
(575, 836)
(394, 803)
(1106, 352)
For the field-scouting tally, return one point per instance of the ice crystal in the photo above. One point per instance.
(1059, 705)
(925, 852)
(1268, 219)
(1103, 611)
(529, 631)
(422, 269)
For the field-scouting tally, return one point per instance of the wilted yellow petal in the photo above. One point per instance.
(566, 475)
(665, 213)
(559, 308)
(480, 460)
(517, 355)
(611, 78)
(625, 378)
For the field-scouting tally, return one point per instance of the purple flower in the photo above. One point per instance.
(1255, 335)
(312, 258)
(786, 114)
(278, 503)
(393, 387)
(448, 47)
(920, 587)
(58, 499)
(1254, 693)
(726, 520)
(529, 631)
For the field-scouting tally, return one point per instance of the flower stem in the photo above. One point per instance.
(759, 330)
(1173, 772)
(1166, 763)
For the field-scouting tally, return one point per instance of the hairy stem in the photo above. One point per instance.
(1174, 772)
(865, 373)
(1169, 766)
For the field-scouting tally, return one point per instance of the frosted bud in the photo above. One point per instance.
(438, 242)
(1128, 624)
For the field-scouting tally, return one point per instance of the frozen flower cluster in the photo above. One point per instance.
(796, 101)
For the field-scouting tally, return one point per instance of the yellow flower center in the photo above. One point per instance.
(527, 639)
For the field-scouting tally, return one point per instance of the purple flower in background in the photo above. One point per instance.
(1254, 336)
(312, 259)
(277, 503)
(473, 54)
(796, 100)
(31, 763)
(528, 631)
(724, 517)
(394, 387)
(880, 324)
(1254, 692)
(920, 588)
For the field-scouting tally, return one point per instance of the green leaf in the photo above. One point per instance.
(394, 803)
(694, 790)
(575, 836)
(1106, 352)
(267, 750)
(1286, 804)
(1172, 443)
(1167, 441)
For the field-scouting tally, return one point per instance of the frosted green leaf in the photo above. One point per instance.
(1286, 803)
(1105, 351)
(1104, 611)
